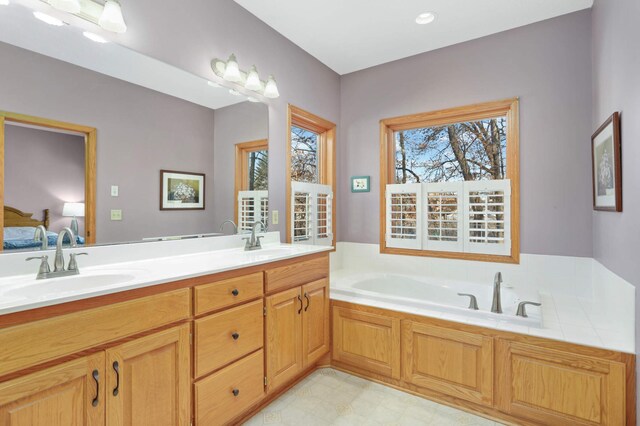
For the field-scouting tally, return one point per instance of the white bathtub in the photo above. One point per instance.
(435, 298)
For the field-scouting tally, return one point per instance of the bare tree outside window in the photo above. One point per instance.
(304, 155)
(258, 170)
(473, 150)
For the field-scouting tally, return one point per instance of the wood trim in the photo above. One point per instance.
(508, 107)
(326, 153)
(90, 138)
(241, 157)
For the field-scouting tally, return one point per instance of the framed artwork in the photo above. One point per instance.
(606, 161)
(360, 184)
(181, 190)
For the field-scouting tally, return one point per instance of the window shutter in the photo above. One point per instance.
(404, 216)
(443, 216)
(487, 213)
(311, 216)
(252, 206)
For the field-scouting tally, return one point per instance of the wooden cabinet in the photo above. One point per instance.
(70, 394)
(560, 388)
(367, 341)
(226, 293)
(148, 380)
(296, 273)
(448, 361)
(297, 331)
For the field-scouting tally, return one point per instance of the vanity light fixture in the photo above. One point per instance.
(71, 6)
(271, 89)
(111, 18)
(48, 19)
(230, 71)
(95, 37)
(425, 18)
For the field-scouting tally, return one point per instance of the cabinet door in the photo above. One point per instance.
(449, 361)
(284, 337)
(69, 394)
(315, 321)
(560, 388)
(367, 341)
(148, 380)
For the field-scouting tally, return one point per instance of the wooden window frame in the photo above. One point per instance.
(90, 140)
(388, 126)
(242, 172)
(326, 157)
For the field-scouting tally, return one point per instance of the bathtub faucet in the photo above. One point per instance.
(496, 306)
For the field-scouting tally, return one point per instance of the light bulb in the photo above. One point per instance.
(271, 89)
(111, 18)
(253, 80)
(71, 6)
(232, 71)
(48, 19)
(425, 18)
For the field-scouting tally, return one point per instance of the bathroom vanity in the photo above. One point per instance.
(204, 350)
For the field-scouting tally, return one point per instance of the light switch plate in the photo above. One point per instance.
(114, 190)
(274, 217)
(116, 214)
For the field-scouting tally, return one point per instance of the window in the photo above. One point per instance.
(311, 179)
(251, 184)
(450, 183)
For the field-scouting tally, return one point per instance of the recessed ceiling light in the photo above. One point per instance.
(48, 19)
(95, 37)
(425, 18)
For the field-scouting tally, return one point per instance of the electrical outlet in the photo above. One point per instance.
(116, 214)
(114, 190)
(274, 217)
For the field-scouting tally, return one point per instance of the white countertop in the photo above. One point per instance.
(24, 292)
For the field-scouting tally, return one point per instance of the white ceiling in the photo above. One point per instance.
(350, 35)
(66, 43)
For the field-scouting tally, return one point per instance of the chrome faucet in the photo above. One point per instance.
(41, 236)
(496, 305)
(235, 227)
(44, 271)
(58, 265)
(253, 242)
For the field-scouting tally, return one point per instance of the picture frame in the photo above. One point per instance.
(182, 190)
(360, 183)
(606, 165)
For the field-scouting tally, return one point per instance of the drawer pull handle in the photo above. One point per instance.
(96, 376)
(300, 300)
(235, 392)
(235, 292)
(235, 336)
(306, 296)
(116, 368)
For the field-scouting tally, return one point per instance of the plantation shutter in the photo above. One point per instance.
(252, 206)
(312, 221)
(487, 213)
(404, 216)
(443, 216)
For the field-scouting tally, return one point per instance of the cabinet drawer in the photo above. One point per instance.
(227, 393)
(296, 274)
(221, 294)
(224, 337)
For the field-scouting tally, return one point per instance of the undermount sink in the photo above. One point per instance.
(57, 286)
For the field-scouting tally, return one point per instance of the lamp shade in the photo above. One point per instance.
(253, 80)
(271, 89)
(73, 209)
(111, 18)
(232, 71)
(71, 6)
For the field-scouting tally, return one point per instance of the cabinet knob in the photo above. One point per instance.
(235, 336)
(235, 292)
(235, 392)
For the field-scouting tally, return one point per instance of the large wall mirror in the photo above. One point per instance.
(85, 148)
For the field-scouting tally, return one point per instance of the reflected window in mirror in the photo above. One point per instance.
(252, 184)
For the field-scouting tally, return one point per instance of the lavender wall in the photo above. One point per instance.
(547, 65)
(43, 170)
(616, 87)
(139, 132)
(234, 124)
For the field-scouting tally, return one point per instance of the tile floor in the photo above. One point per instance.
(330, 397)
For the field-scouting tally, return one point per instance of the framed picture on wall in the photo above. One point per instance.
(181, 190)
(606, 155)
